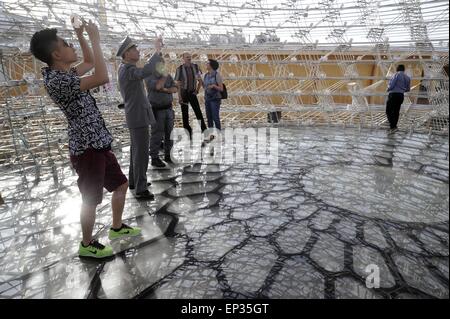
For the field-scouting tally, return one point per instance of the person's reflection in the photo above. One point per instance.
(384, 180)
(386, 155)
(385, 176)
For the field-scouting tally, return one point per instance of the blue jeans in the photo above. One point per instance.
(212, 113)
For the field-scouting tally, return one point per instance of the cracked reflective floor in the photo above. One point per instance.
(340, 202)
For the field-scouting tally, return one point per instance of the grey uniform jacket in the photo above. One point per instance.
(138, 111)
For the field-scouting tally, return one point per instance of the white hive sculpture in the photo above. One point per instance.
(318, 63)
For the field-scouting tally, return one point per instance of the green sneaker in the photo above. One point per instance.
(124, 231)
(95, 250)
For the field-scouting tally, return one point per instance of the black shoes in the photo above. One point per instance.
(393, 130)
(132, 186)
(168, 159)
(145, 195)
(158, 163)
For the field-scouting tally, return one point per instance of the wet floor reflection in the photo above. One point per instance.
(339, 201)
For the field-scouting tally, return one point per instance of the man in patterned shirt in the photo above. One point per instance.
(89, 139)
(189, 79)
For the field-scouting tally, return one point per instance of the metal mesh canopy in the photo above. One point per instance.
(316, 209)
(212, 22)
(297, 62)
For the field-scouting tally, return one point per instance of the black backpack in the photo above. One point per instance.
(224, 93)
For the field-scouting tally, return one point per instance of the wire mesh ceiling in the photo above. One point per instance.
(302, 62)
(234, 22)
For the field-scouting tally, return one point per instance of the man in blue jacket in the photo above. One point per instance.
(398, 85)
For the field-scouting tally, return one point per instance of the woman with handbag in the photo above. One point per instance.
(213, 85)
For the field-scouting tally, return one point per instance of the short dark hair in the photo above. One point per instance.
(43, 43)
(214, 64)
(401, 67)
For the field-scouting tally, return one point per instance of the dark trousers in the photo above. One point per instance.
(212, 112)
(137, 173)
(161, 130)
(393, 105)
(186, 99)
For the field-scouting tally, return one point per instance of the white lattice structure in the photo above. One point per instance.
(325, 62)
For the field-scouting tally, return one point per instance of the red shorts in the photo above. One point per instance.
(97, 169)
